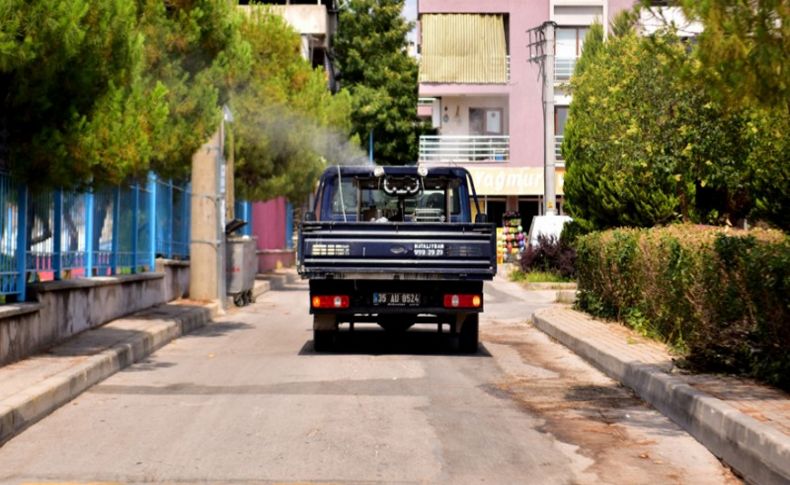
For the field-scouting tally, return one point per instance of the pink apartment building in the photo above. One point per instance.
(484, 97)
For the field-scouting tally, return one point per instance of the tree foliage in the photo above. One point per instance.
(644, 146)
(194, 49)
(97, 92)
(72, 89)
(287, 124)
(100, 92)
(381, 76)
(744, 49)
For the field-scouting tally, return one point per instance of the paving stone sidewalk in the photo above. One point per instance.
(34, 387)
(744, 423)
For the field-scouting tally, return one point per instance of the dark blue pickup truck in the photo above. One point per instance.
(396, 246)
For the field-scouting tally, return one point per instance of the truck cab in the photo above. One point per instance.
(396, 246)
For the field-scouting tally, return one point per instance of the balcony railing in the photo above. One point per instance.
(460, 148)
(563, 68)
(558, 147)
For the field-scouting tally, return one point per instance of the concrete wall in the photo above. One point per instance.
(305, 19)
(66, 308)
(176, 282)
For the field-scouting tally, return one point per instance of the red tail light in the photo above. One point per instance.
(463, 301)
(330, 301)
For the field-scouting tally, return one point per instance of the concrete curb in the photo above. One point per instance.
(758, 452)
(566, 296)
(24, 409)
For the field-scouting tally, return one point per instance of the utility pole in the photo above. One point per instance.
(207, 229)
(541, 52)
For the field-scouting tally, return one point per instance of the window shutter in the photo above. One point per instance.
(463, 48)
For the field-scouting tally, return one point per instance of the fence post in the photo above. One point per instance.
(245, 215)
(21, 243)
(170, 221)
(89, 233)
(152, 225)
(135, 223)
(289, 226)
(186, 219)
(57, 250)
(116, 229)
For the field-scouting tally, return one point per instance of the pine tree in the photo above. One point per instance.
(73, 96)
(375, 66)
(100, 92)
(745, 49)
(642, 147)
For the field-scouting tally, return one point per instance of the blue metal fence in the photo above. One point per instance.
(12, 261)
(58, 234)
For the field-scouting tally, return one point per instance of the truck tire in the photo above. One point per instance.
(468, 338)
(323, 340)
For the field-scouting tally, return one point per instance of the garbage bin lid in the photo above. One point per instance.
(233, 226)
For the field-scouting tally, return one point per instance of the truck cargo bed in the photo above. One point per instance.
(397, 250)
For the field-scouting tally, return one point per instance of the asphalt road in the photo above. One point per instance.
(248, 400)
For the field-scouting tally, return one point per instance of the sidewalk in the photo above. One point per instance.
(36, 386)
(745, 424)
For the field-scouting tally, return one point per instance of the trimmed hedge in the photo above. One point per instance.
(719, 296)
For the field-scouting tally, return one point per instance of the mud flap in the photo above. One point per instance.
(460, 318)
(324, 322)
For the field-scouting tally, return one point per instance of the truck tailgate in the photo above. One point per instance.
(397, 250)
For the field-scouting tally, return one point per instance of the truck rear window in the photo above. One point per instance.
(370, 202)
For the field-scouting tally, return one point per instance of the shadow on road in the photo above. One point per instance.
(375, 341)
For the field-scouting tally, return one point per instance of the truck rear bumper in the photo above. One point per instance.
(369, 300)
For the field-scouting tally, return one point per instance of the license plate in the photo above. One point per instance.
(396, 299)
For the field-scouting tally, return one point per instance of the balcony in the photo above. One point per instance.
(563, 68)
(460, 148)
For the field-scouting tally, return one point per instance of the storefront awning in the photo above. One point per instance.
(499, 181)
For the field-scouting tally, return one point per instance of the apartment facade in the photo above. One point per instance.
(484, 97)
(316, 22)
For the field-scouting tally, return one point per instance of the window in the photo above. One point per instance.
(568, 47)
(348, 203)
(570, 41)
(485, 121)
(560, 118)
(436, 198)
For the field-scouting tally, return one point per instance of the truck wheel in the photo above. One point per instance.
(323, 340)
(468, 338)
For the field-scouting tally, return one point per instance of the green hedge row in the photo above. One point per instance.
(719, 296)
